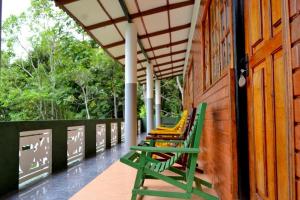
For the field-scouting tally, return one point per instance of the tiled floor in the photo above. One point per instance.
(65, 184)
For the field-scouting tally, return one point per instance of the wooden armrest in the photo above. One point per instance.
(165, 133)
(165, 129)
(165, 149)
(164, 137)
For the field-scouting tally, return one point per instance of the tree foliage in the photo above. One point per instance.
(63, 74)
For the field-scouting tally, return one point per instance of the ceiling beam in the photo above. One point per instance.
(157, 47)
(114, 44)
(63, 2)
(129, 19)
(176, 67)
(170, 62)
(80, 24)
(173, 72)
(173, 29)
(142, 14)
(172, 76)
(165, 76)
(166, 63)
(163, 70)
(168, 30)
(165, 55)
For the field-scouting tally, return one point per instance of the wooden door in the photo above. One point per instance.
(266, 88)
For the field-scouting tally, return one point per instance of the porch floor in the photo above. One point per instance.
(116, 183)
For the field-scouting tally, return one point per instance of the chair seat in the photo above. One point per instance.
(132, 158)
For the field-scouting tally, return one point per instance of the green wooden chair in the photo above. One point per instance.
(149, 168)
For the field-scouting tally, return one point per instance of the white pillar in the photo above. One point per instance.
(149, 74)
(130, 85)
(157, 103)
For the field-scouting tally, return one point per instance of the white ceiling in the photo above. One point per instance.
(91, 12)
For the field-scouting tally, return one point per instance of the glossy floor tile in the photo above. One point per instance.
(65, 184)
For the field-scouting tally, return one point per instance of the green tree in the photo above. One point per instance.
(62, 73)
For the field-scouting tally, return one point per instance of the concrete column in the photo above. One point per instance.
(157, 103)
(130, 85)
(149, 106)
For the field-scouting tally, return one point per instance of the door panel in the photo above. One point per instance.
(266, 101)
(255, 25)
(259, 127)
(263, 133)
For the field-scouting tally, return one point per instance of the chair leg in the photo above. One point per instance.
(134, 196)
(139, 180)
(142, 182)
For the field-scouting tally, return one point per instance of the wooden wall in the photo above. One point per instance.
(294, 14)
(210, 78)
(216, 87)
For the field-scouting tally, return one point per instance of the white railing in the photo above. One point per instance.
(35, 158)
(76, 144)
(100, 137)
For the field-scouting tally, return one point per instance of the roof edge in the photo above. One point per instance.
(191, 34)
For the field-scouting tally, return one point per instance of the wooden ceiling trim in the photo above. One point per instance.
(170, 44)
(164, 70)
(166, 63)
(129, 19)
(148, 35)
(146, 31)
(175, 67)
(63, 2)
(166, 55)
(88, 32)
(108, 15)
(139, 14)
(170, 62)
(170, 35)
(170, 76)
(143, 81)
(171, 72)
(168, 30)
(114, 44)
(158, 47)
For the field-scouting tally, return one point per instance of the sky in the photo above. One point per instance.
(16, 7)
(13, 7)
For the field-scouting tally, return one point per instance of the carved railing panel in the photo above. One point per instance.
(76, 145)
(100, 137)
(114, 133)
(35, 155)
(139, 126)
(122, 131)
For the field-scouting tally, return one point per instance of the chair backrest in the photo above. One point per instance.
(199, 125)
(190, 122)
(182, 120)
(193, 138)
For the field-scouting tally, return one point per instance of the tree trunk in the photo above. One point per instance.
(180, 89)
(86, 102)
(52, 109)
(52, 77)
(115, 105)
